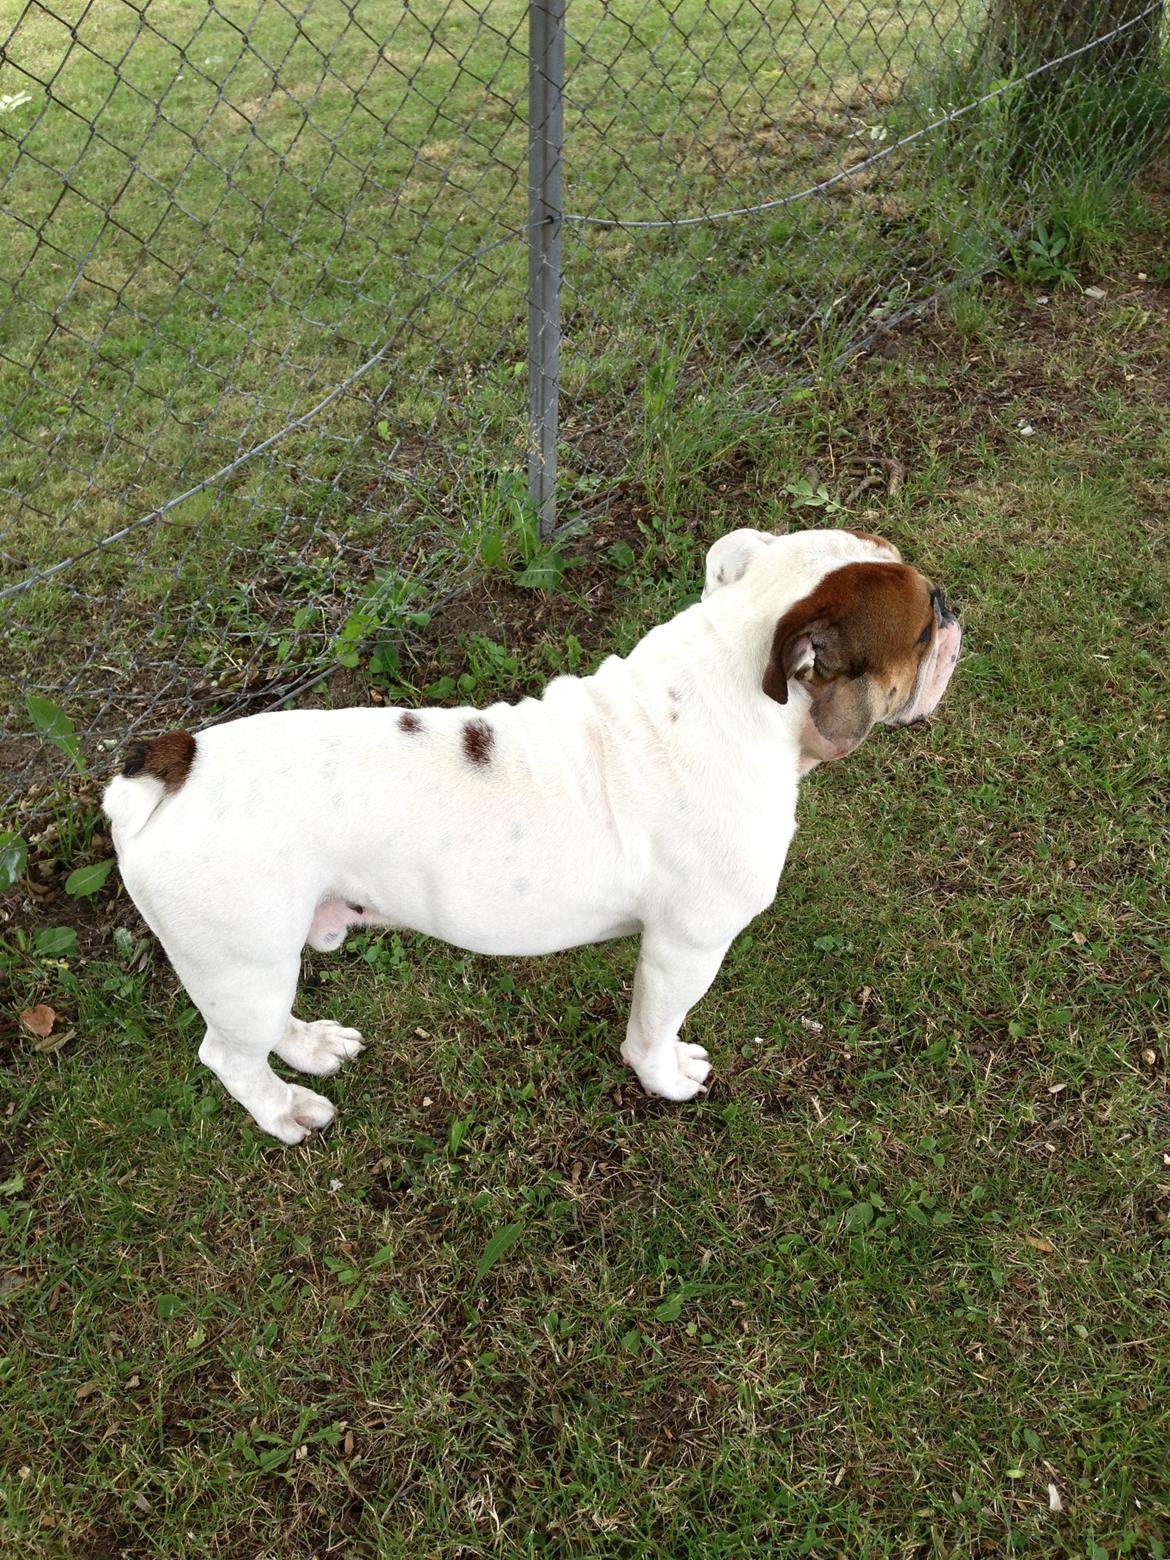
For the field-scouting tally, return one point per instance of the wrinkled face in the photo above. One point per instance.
(874, 643)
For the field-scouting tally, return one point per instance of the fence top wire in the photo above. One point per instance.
(636, 223)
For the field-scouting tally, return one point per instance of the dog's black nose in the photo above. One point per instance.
(938, 597)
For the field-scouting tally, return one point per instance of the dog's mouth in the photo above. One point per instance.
(935, 672)
(816, 748)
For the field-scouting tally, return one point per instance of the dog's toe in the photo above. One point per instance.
(319, 1048)
(693, 1062)
(674, 1072)
(307, 1112)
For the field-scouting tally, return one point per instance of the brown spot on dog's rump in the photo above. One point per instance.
(409, 722)
(168, 758)
(478, 738)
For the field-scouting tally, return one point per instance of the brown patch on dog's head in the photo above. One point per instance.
(409, 722)
(878, 541)
(478, 740)
(168, 758)
(872, 643)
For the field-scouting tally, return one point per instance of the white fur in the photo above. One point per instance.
(656, 796)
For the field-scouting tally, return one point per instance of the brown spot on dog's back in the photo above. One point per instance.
(168, 758)
(409, 722)
(478, 739)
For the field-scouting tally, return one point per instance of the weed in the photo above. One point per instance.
(385, 609)
(54, 725)
(805, 496)
(13, 858)
(688, 427)
(506, 534)
(1044, 256)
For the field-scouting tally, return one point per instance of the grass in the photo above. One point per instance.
(1042, 167)
(898, 1276)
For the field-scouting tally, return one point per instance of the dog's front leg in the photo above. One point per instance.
(672, 974)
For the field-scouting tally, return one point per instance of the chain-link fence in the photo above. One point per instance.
(281, 330)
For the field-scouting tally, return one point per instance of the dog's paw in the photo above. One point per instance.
(675, 1071)
(318, 1048)
(303, 1112)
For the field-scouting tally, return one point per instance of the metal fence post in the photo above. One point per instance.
(546, 133)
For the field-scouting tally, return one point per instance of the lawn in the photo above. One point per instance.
(897, 1285)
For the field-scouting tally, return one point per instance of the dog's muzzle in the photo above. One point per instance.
(936, 669)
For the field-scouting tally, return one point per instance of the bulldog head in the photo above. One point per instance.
(872, 644)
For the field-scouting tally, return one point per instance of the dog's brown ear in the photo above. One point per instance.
(826, 642)
(794, 653)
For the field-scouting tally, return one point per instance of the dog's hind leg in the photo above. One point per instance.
(672, 974)
(247, 1008)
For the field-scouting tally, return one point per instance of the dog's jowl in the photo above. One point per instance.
(657, 796)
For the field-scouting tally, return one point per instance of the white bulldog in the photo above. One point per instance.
(656, 796)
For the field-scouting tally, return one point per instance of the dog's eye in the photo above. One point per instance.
(925, 634)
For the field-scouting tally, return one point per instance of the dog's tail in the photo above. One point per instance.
(152, 770)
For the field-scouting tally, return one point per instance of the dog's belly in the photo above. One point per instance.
(511, 904)
(515, 938)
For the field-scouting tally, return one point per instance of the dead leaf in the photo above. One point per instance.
(55, 1042)
(39, 1020)
(347, 1444)
(87, 1391)
(1038, 1243)
(10, 1284)
(141, 1502)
